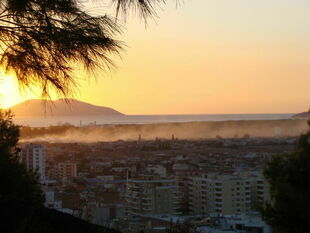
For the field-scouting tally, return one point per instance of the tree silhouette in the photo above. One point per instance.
(21, 198)
(41, 39)
(289, 177)
(17, 184)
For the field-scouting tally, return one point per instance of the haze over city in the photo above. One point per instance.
(154, 116)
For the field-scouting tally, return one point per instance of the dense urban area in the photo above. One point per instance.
(159, 185)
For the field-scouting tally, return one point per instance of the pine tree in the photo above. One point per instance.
(40, 40)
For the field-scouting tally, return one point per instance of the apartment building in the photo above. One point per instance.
(67, 169)
(33, 156)
(260, 190)
(226, 194)
(157, 169)
(151, 195)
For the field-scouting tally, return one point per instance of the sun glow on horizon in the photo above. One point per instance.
(9, 93)
(206, 57)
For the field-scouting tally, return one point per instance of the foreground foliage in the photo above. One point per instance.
(289, 177)
(20, 217)
(17, 184)
(40, 40)
(21, 198)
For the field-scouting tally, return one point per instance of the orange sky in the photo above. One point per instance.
(215, 56)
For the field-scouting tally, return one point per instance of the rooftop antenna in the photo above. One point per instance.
(127, 178)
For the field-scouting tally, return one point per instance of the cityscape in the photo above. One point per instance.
(154, 116)
(213, 185)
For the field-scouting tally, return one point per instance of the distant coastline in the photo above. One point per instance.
(40, 113)
(142, 119)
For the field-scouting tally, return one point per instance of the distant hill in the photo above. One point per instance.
(61, 107)
(303, 115)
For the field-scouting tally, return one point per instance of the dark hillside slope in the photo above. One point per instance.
(18, 217)
(303, 115)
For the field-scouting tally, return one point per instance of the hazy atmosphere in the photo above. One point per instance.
(155, 116)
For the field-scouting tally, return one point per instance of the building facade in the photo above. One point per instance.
(226, 194)
(33, 156)
(151, 195)
(67, 169)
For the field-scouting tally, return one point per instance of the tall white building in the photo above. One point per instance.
(152, 195)
(226, 194)
(33, 156)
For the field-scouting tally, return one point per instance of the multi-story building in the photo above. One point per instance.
(152, 195)
(33, 156)
(226, 194)
(260, 190)
(67, 169)
(48, 187)
(157, 169)
(183, 178)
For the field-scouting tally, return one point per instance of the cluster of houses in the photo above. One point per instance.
(134, 190)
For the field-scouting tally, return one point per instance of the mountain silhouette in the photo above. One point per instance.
(60, 107)
(302, 115)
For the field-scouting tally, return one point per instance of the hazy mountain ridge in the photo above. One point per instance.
(61, 107)
(302, 115)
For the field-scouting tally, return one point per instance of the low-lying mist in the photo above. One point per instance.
(190, 130)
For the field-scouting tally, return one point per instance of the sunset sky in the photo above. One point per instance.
(207, 57)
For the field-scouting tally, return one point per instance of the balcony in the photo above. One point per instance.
(132, 201)
(217, 191)
(260, 193)
(260, 187)
(147, 209)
